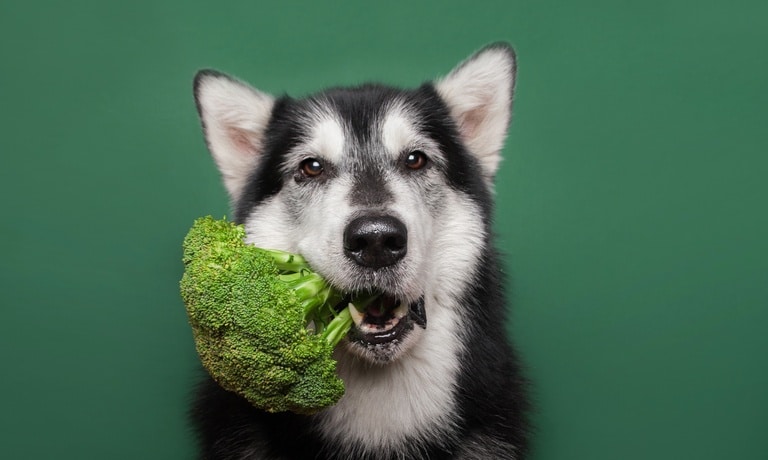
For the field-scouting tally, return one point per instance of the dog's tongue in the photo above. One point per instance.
(375, 311)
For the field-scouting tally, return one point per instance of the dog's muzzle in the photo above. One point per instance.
(376, 244)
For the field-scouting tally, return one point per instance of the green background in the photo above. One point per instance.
(632, 208)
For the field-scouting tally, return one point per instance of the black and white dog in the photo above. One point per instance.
(387, 189)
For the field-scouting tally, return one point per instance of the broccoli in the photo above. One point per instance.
(263, 322)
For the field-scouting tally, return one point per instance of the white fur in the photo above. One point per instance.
(269, 226)
(328, 140)
(479, 95)
(397, 131)
(411, 397)
(235, 117)
(321, 230)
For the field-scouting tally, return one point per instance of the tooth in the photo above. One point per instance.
(357, 317)
(401, 310)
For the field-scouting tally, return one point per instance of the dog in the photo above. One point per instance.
(384, 189)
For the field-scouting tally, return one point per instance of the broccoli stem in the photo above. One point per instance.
(288, 262)
(338, 327)
(318, 299)
(308, 286)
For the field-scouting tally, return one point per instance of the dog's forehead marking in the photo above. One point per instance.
(327, 139)
(402, 130)
(397, 129)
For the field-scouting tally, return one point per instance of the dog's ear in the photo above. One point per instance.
(234, 118)
(479, 95)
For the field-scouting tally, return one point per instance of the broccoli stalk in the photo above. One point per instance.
(317, 297)
(263, 322)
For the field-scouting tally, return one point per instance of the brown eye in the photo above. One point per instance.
(416, 160)
(311, 167)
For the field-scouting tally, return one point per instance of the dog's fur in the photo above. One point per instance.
(419, 163)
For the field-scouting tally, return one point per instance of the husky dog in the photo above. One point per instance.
(386, 189)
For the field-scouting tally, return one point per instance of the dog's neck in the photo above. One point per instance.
(410, 399)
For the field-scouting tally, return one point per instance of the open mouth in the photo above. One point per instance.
(386, 320)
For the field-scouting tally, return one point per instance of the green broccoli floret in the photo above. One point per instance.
(264, 323)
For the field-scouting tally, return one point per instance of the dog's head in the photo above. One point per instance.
(381, 189)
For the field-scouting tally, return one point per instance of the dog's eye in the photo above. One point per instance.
(416, 160)
(311, 167)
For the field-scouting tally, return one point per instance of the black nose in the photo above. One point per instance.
(375, 241)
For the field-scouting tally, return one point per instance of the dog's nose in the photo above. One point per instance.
(375, 241)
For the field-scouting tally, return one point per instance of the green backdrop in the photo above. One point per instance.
(632, 208)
